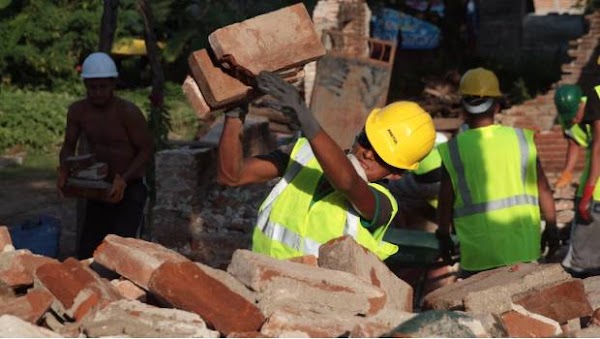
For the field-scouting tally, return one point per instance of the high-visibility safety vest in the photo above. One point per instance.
(581, 135)
(292, 223)
(432, 162)
(496, 213)
(587, 135)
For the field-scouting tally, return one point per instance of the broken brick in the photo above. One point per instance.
(5, 240)
(264, 43)
(17, 267)
(134, 259)
(30, 307)
(188, 287)
(561, 301)
(195, 98)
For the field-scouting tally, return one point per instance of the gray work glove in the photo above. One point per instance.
(287, 101)
(238, 112)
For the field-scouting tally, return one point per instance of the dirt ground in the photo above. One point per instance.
(27, 198)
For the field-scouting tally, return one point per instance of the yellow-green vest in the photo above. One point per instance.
(291, 223)
(430, 163)
(587, 136)
(496, 213)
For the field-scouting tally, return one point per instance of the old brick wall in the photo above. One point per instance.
(543, 7)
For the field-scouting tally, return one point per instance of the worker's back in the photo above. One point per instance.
(494, 178)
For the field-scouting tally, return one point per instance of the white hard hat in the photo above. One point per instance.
(99, 65)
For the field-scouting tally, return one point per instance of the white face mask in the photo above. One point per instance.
(359, 169)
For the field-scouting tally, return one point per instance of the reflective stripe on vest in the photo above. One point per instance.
(470, 208)
(282, 234)
(579, 135)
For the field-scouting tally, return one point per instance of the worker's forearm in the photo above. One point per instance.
(334, 162)
(137, 165)
(65, 152)
(572, 155)
(595, 158)
(546, 198)
(230, 152)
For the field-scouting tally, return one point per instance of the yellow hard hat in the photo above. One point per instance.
(479, 82)
(401, 133)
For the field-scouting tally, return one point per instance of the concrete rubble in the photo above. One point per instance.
(347, 291)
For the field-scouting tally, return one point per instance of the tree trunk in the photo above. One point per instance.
(108, 25)
(158, 78)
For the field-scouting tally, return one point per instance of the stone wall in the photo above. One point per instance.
(196, 216)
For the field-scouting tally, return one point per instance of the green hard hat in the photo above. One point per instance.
(567, 99)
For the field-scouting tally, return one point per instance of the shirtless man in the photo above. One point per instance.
(117, 134)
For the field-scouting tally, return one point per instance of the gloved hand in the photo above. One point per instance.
(238, 112)
(551, 239)
(564, 179)
(288, 101)
(583, 208)
(117, 191)
(446, 245)
(61, 178)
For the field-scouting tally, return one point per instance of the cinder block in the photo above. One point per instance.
(186, 286)
(286, 284)
(345, 254)
(217, 87)
(134, 259)
(273, 41)
(195, 98)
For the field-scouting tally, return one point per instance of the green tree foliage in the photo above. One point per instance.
(42, 42)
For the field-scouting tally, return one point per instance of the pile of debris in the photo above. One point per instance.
(347, 291)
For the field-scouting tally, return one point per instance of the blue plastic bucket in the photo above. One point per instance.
(40, 235)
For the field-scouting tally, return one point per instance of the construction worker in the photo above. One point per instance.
(583, 257)
(324, 193)
(492, 186)
(570, 105)
(416, 191)
(118, 135)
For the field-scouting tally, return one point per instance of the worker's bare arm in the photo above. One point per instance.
(232, 168)
(342, 175)
(139, 136)
(72, 132)
(546, 198)
(595, 155)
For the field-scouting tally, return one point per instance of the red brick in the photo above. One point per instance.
(30, 307)
(134, 259)
(5, 240)
(217, 87)
(518, 325)
(195, 98)
(74, 300)
(561, 301)
(274, 41)
(247, 335)
(187, 287)
(17, 267)
(286, 322)
(309, 260)
(129, 290)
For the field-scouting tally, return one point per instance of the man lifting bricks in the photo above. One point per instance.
(325, 193)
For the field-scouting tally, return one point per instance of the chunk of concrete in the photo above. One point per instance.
(492, 291)
(14, 327)
(130, 318)
(282, 284)
(345, 254)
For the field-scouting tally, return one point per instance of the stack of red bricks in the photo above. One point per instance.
(347, 290)
(281, 41)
